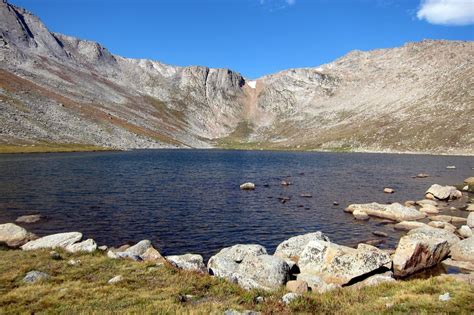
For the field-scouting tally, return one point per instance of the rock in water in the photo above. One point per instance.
(227, 260)
(388, 190)
(87, 246)
(408, 225)
(247, 186)
(13, 235)
(395, 211)
(32, 218)
(35, 276)
(418, 251)
(291, 249)
(463, 250)
(340, 264)
(191, 262)
(54, 241)
(444, 192)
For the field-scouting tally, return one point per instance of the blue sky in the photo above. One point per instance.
(254, 37)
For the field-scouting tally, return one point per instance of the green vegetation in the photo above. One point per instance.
(148, 288)
(49, 147)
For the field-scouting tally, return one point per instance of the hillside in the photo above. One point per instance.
(60, 90)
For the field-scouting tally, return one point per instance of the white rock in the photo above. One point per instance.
(139, 248)
(35, 276)
(289, 297)
(408, 225)
(247, 186)
(444, 192)
(61, 240)
(395, 211)
(87, 246)
(263, 271)
(465, 231)
(13, 235)
(360, 215)
(226, 261)
(115, 279)
(191, 262)
(444, 297)
(291, 249)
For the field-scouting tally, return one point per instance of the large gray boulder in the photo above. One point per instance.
(394, 211)
(418, 251)
(262, 272)
(13, 235)
(340, 264)
(432, 232)
(139, 248)
(443, 192)
(227, 260)
(463, 250)
(190, 262)
(291, 249)
(60, 240)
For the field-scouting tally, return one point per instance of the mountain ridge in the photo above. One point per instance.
(60, 89)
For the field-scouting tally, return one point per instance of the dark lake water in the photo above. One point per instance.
(190, 201)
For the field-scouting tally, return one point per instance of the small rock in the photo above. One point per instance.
(192, 262)
(297, 286)
(289, 297)
(285, 183)
(305, 195)
(451, 167)
(444, 297)
(465, 188)
(380, 233)
(465, 231)
(335, 203)
(103, 248)
(470, 207)
(247, 186)
(115, 280)
(388, 190)
(32, 218)
(55, 255)
(74, 262)
(422, 175)
(260, 299)
(35, 276)
(87, 246)
(360, 215)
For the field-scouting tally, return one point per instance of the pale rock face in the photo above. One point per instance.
(463, 250)
(13, 235)
(227, 260)
(292, 248)
(418, 251)
(139, 248)
(266, 271)
(339, 264)
(60, 240)
(446, 235)
(191, 262)
(87, 246)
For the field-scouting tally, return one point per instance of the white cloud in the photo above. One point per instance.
(290, 2)
(447, 12)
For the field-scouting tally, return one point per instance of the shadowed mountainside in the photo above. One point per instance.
(56, 89)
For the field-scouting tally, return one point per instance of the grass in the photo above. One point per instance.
(49, 147)
(148, 288)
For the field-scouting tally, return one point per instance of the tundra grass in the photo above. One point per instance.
(149, 288)
(49, 148)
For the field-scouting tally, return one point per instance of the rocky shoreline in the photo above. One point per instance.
(309, 262)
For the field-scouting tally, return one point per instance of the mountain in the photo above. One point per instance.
(58, 89)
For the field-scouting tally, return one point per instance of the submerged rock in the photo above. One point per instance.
(13, 235)
(32, 218)
(340, 264)
(60, 240)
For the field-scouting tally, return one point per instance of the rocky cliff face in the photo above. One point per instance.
(59, 89)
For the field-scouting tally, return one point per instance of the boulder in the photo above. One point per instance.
(227, 260)
(297, 286)
(316, 283)
(35, 276)
(426, 202)
(247, 186)
(61, 240)
(450, 237)
(444, 192)
(395, 211)
(429, 209)
(262, 272)
(32, 218)
(463, 250)
(87, 246)
(408, 225)
(151, 254)
(139, 248)
(291, 249)
(418, 251)
(469, 181)
(470, 220)
(289, 297)
(13, 235)
(340, 264)
(463, 265)
(465, 231)
(360, 215)
(192, 262)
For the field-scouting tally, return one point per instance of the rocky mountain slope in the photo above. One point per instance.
(59, 89)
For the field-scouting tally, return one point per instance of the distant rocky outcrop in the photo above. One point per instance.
(59, 89)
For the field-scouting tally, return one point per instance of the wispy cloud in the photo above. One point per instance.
(274, 5)
(447, 12)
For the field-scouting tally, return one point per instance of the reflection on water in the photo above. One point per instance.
(190, 201)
